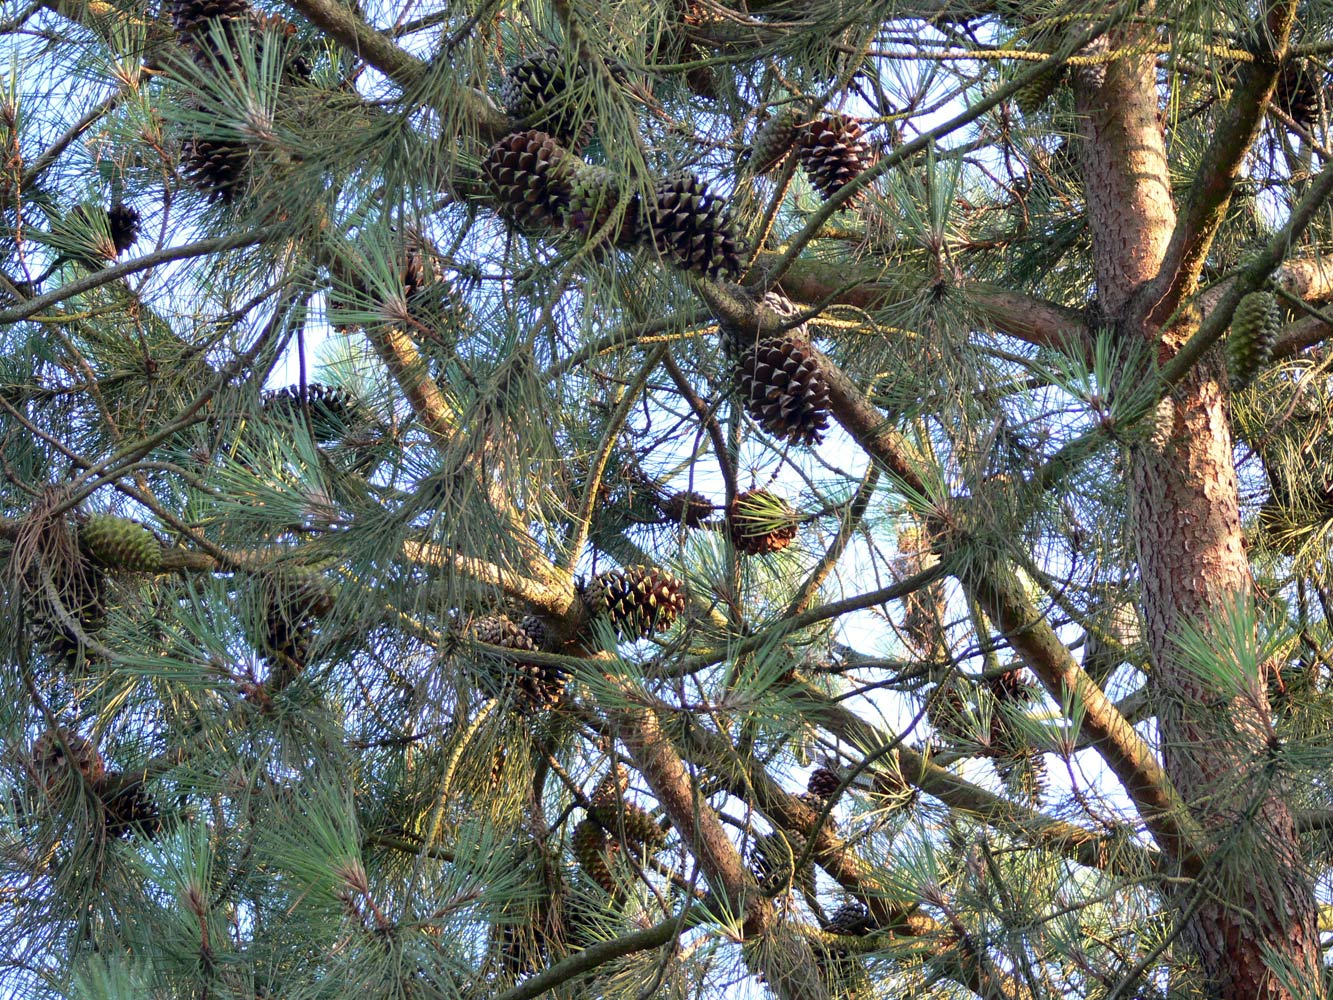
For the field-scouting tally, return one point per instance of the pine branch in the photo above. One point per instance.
(1125, 752)
(856, 510)
(1308, 279)
(1028, 318)
(788, 965)
(1220, 163)
(590, 958)
(342, 24)
(557, 599)
(96, 279)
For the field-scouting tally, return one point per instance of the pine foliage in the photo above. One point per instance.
(486, 509)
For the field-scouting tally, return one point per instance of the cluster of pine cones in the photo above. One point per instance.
(831, 149)
(612, 822)
(540, 183)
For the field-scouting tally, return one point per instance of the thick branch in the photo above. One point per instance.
(1087, 847)
(340, 22)
(598, 954)
(1129, 757)
(785, 959)
(1210, 190)
(1034, 320)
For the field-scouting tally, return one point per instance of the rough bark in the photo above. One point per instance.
(1251, 908)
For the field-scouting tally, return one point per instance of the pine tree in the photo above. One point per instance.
(666, 499)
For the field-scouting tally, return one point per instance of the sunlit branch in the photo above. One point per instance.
(1211, 188)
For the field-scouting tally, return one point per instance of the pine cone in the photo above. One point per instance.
(773, 140)
(129, 809)
(636, 600)
(219, 168)
(692, 229)
(773, 860)
(540, 686)
(1019, 765)
(1012, 687)
(123, 222)
(530, 175)
(94, 235)
(613, 786)
(817, 804)
(635, 822)
(595, 193)
(780, 383)
(1033, 94)
(540, 92)
(761, 522)
(823, 783)
(431, 298)
(59, 753)
(687, 507)
(119, 543)
(851, 919)
(193, 19)
(833, 152)
(594, 850)
(1254, 329)
(293, 599)
(333, 409)
(1297, 91)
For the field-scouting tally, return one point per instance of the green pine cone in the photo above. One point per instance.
(1033, 94)
(593, 850)
(119, 543)
(1254, 328)
(637, 823)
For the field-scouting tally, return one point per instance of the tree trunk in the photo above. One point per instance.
(1252, 909)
